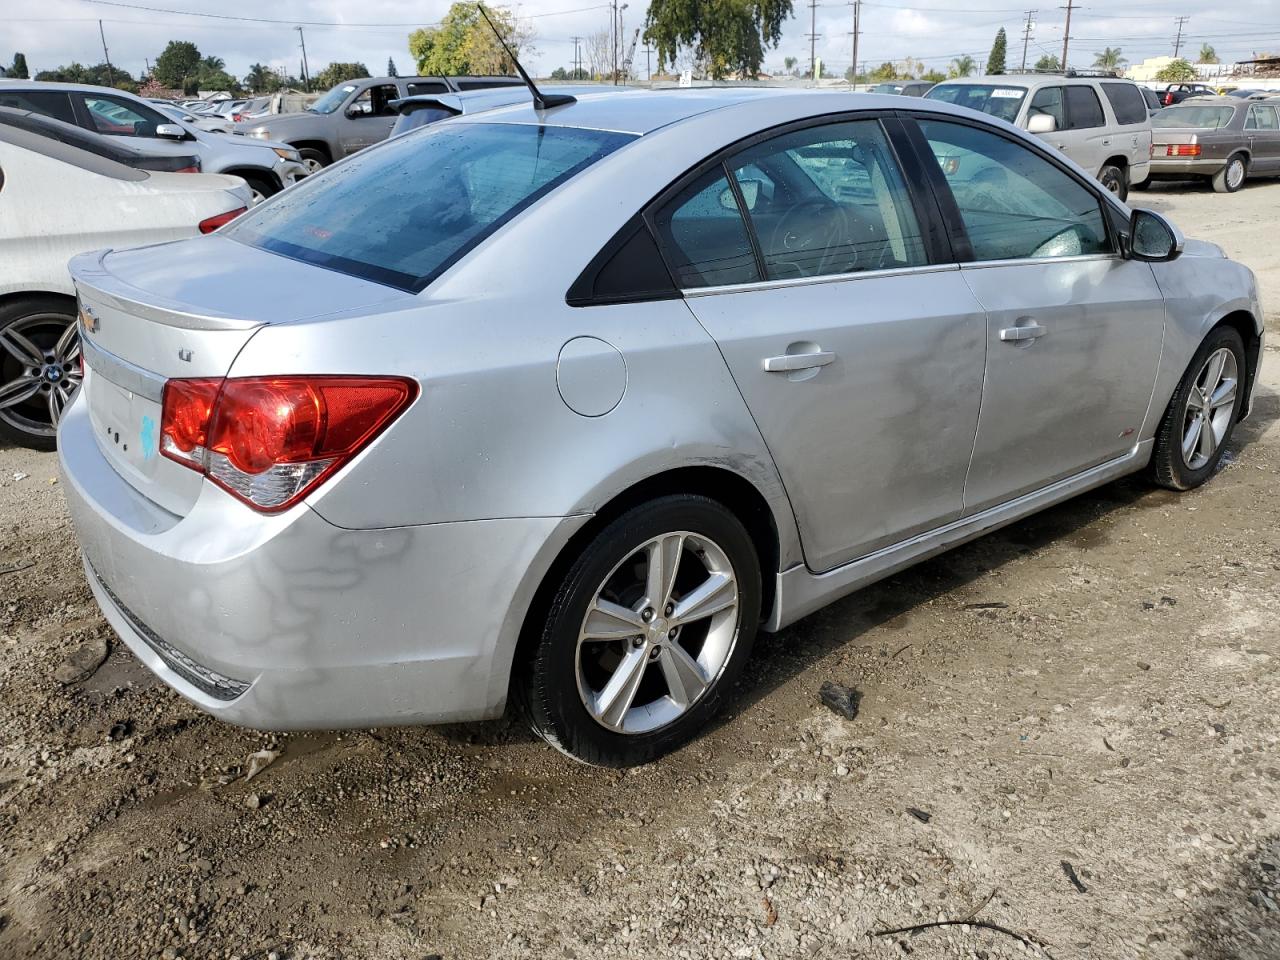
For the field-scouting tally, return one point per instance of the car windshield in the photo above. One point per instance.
(887, 88)
(1190, 116)
(999, 101)
(332, 100)
(402, 213)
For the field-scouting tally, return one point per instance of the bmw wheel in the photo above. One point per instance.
(39, 368)
(646, 634)
(1202, 414)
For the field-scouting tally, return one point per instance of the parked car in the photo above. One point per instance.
(356, 114)
(424, 109)
(267, 167)
(1177, 92)
(637, 305)
(111, 148)
(57, 200)
(904, 88)
(212, 124)
(1102, 123)
(1153, 101)
(1225, 141)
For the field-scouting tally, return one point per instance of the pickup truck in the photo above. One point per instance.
(1177, 92)
(355, 115)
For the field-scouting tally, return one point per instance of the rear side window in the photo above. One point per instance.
(402, 213)
(1262, 118)
(1126, 102)
(51, 103)
(420, 87)
(706, 241)
(1084, 110)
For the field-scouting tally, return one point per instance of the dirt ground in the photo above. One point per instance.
(1068, 729)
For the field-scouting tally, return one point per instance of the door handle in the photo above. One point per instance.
(1107, 142)
(1028, 332)
(798, 361)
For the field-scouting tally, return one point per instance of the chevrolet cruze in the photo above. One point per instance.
(561, 406)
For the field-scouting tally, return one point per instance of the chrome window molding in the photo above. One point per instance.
(809, 281)
(1020, 261)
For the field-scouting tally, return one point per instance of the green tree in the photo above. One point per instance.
(729, 36)
(934, 76)
(1109, 59)
(464, 43)
(336, 73)
(1208, 54)
(1048, 63)
(19, 69)
(962, 66)
(1179, 71)
(391, 68)
(261, 79)
(177, 65)
(886, 71)
(995, 61)
(96, 75)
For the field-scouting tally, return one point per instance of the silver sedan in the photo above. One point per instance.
(560, 407)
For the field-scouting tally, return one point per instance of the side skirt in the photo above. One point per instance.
(800, 592)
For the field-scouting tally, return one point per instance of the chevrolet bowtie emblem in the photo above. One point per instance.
(89, 319)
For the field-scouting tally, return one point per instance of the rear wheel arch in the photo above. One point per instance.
(17, 296)
(733, 491)
(318, 145)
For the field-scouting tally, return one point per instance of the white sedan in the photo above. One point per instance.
(57, 201)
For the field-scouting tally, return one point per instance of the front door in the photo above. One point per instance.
(367, 118)
(1074, 331)
(860, 360)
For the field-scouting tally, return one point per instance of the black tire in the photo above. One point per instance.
(263, 186)
(41, 320)
(314, 159)
(1169, 465)
(546, 685)
(1115, 180)
(1234, 171)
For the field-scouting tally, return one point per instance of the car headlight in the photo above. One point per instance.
(260, 134)
(287, 153)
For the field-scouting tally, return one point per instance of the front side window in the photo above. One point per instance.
(1047, 101)
(1084, 110)
(1126, 102)
(998, 100)
(1014, 203)
(374, 102)
(831, 201)
(403, 212)
(121, 118)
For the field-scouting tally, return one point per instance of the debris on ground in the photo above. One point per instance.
(82, 662)
(840, 699)
(1070, 871)
(257, 762)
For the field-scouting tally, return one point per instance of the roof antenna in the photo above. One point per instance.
(541, 101)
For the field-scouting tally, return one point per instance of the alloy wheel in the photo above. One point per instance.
(1235, 173)
(40, 371)
(659, 632)
(1210, 405)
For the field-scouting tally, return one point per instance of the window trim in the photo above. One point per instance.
(1107, 206)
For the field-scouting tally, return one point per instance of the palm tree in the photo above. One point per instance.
(258, 77)
(962, 66)
(1109, 59)
(213, 64)
(1207, 54)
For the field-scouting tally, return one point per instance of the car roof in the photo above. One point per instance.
(489, 97)
(1031, 80)
(644, 111)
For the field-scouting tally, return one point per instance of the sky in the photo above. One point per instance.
(56, 32)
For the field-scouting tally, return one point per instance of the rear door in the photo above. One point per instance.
(1086, 129)
(1131, 136)
(856, 344)
(1262, 128)
(1074, 331)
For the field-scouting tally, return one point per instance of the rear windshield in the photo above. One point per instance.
(1204, 117)
(403, 212)
(1000, 101)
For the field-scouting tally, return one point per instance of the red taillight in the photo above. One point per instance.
(191, 169)
(270, 441)
(1168, 99)
(236, 118)
(1182, 150)
(213, 223)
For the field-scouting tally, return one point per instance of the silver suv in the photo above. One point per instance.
(1102, 123)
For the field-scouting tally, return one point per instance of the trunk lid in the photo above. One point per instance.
(184, 309)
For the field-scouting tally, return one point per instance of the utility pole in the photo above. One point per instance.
(1066, 34)
(613, 38)
(577, 57)
(1177, 44)
(857, 8)
(306, 72)
(813, 40)
(111, 77)
(1026, 38)
(648, 70)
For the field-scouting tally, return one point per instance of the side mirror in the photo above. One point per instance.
(170, 131)
(1041, 123)
(1153, 238)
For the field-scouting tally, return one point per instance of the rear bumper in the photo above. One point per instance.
(1174, 169)
(289, 622)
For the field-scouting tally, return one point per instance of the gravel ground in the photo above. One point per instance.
(1068, 731)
